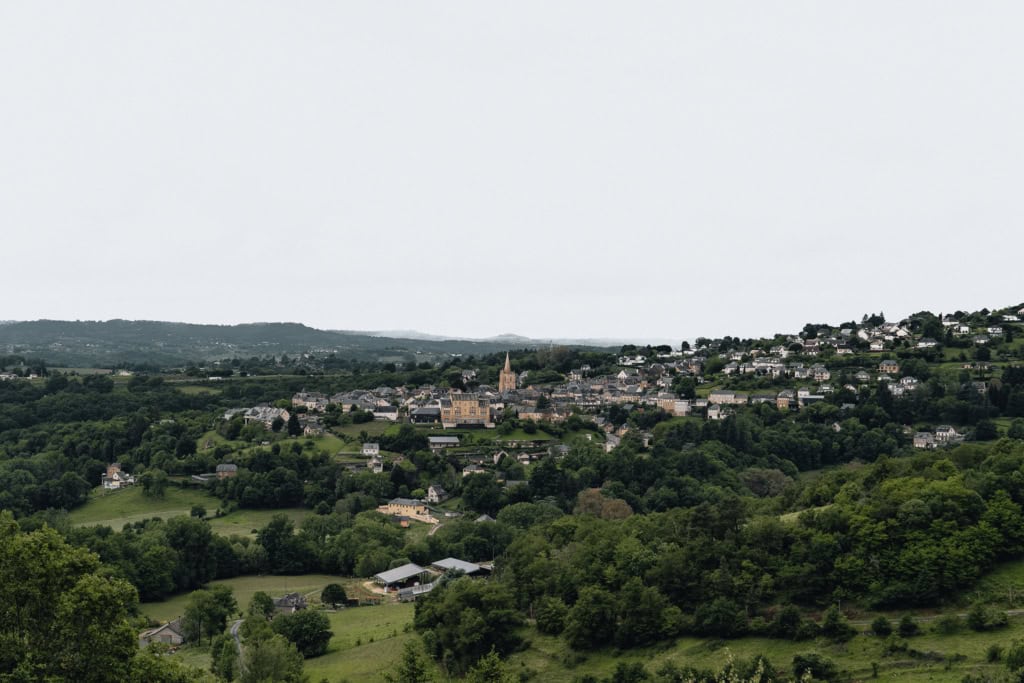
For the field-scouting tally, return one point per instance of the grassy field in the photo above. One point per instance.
(195, 389)
(375, 428)
(244, 522)
(244, 587)
(551, 660)
(367, 642)
(117, 508)
(353, 656)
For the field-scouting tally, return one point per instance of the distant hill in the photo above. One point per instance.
(110, 342)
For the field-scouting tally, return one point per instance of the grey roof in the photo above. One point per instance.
(453, 563)
(406, 571)
(443, 439)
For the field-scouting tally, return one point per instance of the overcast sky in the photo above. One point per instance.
(627, 170)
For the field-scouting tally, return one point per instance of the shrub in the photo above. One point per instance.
(836, 627)
(949, 624)
(813, 663)
(881, 626)
(981, 618)
(908, 626)
(994, 653)
(1015, 656)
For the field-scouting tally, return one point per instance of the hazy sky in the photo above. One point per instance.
(654, 169)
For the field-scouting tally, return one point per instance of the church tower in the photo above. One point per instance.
(507, 378)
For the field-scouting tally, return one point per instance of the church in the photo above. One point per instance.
(506, 378)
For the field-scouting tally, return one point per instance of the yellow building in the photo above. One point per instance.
(507, 378)
(464, 410)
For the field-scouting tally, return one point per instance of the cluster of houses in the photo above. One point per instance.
(942, 436)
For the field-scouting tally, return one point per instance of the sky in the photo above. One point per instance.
(552, 169)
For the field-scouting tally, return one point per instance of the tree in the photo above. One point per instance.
(591, 621)
(640, 611)
(198, 511)
(412, 668)
(551, 615)
(309, 629)
(333, 594)
(908, 626)
(152, 665)
(463, 619)
(721, 617)
(490, 669)
(224, 656)
(261, 604)
(985, 430)
(60, 617)
(294, 428)
(277, 424)
(154, 483)
(271, 659)
(836, 627)
(819, 667)
(881, 626)
(207, 612)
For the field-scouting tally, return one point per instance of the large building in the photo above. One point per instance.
(465, 410)
(507, 378)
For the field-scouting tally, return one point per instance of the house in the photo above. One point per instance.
(947, 434)
(389, 413)
(716, 412)
(889, 367)
(877, 345)
(405, 507)
(311, 401)
(610, 442)
(370, 449)
(924, 440)
(862, 377)
(375, 465)
(926, 343)
(265, 415)
(466, 410)
(293, 602)
(227, 470)
(439, 443)
(170, 633)
(785, 399)
(473, 469)
(114, 478)
(722, 396)
(820, 373)
(436, 494)
(425, 415)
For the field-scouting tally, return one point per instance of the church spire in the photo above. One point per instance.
(507, 378)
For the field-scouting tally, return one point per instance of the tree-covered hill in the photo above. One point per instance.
(112, 342)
